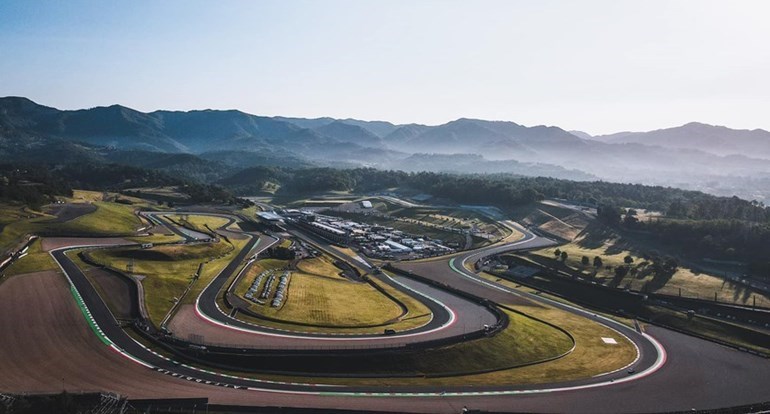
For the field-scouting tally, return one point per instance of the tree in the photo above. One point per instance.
(609, 214)
(598, 262)
(630, 221)
(621, 272)
(557, 253)
(628, 259)
(564, 256)
(670, 265)
(585, 260)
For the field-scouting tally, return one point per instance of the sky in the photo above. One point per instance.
(595, 66)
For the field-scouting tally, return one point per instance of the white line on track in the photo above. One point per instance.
(660, 361)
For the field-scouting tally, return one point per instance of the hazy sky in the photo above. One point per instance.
(598, 66)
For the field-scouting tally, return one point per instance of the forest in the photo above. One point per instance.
(698, 223)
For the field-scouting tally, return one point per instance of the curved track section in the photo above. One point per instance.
(652, 355)
(446, 321)
(51, 336)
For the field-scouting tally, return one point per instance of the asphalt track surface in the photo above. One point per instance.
(452, 315)
(702, 374)
(651, 359)
(53, 349)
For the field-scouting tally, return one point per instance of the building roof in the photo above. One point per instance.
(269, 216)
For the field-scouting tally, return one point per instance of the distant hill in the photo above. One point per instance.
(581, 134)
(403, 134)
(342, 131)
(196, 132)
(695, 156)
(714, 139)
(378, 128)
(471, 163)
(493, 139)
(106, 126)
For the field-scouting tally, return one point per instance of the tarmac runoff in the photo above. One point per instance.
(68, 347)
(202, 375)
(208, 376)
(444, 320)
(530, 240)
(440, 303)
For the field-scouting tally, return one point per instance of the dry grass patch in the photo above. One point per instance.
(692, 284)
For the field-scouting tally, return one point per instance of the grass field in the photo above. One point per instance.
(108, 219)
(318, 295)
(199, 222)
(526, 340)
(590, 357)
(36, 260)
(460, 219)
(167, 270)
(692, 284)
(212, 268)
(328, 301)
(170, 192)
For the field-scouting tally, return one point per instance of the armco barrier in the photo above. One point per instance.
(293, 361)
(596, 304)
(501, 317)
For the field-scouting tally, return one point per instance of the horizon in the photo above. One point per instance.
(619, 66)
(382, 120)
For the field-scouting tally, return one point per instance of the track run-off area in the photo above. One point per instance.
(668, 372)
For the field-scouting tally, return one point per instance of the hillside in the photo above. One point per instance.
(714, 139)
(695, 156)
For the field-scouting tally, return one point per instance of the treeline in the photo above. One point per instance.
(31, 185)
(504, 190)
(745, 238)
(38, 185)
(728, 239)
(117, 177)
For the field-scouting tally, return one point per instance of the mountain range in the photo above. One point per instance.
(711, 158)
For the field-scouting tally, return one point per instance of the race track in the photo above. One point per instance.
(63, 326)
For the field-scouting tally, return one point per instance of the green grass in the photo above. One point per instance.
(325, 301)
(494, 360)
(170, 192)
(212, 268)
(201, 223)
(168, 270)
(108, 219)
(525, 340)
(739, 335)
(155, 238)
(318, 295)
(36, 260)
